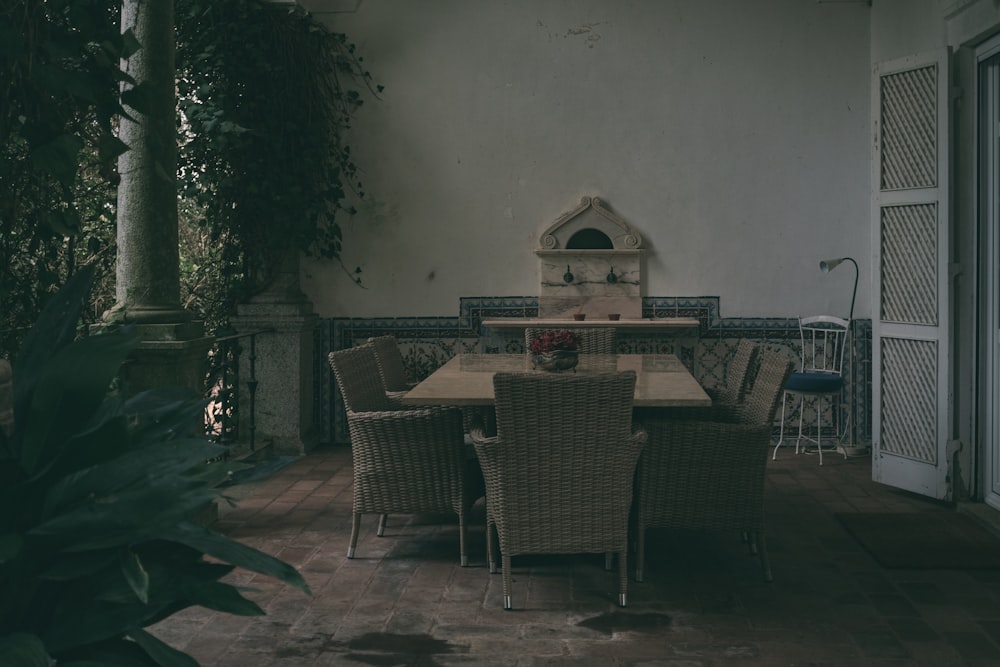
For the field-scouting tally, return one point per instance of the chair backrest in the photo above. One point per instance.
(824, 340)
(569, 408)
(593, 340)
(390, 363)
(736, 372)
(356, 371)
(761, 400)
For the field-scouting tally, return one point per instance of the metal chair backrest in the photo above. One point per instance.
(824, 341)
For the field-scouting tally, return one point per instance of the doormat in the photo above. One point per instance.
(924, 541)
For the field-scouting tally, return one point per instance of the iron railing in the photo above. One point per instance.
(222, 382)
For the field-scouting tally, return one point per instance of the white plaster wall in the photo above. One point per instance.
(733, 135)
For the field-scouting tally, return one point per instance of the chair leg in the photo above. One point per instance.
(819, 427)
(802, 413)
(463, 555)
(382, 519)
(781, 426)
(640, 551)
(491, 560)
(623, 577)
(355, 529)
(505, 564)
(765, 562)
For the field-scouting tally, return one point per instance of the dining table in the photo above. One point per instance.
(466, 380)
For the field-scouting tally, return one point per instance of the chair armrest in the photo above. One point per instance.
(639, 434)
(477, 432)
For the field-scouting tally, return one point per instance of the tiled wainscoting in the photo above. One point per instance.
(428, 342)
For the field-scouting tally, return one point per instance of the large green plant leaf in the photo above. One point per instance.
(135, 575)
(70, 387)
(225, 598)
(164, 655)
(54, 329)
(213, 544)
(150, 470)
(23, 650)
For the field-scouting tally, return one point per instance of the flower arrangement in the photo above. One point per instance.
(550, 341)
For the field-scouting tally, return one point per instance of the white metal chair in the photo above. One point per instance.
(820, 375)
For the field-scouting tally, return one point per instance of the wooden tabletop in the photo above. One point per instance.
(467, 379)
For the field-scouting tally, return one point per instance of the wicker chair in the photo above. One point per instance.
(406, 460)
(390, 363)
(593, 340)
(709, 475)
(559, 472)
(737, 370)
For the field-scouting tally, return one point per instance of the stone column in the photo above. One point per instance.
(283, 319)
(147, 287)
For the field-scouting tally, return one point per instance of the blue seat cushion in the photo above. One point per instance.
(814, 383)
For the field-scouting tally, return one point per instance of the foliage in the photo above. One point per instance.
(266, 95)
(96, 537)
(550, 341)
(58, 151)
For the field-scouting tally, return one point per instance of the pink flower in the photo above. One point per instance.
(549, 341)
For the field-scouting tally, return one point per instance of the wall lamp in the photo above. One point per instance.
(828, 265)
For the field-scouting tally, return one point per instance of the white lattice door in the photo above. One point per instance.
(911, 388)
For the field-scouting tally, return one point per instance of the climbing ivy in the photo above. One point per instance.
(266, 95)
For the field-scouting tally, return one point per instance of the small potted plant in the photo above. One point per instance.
(555, 350)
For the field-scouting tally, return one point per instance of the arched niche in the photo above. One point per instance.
(590, 262)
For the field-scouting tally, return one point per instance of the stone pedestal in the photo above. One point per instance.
(168, 356)
(284, 360)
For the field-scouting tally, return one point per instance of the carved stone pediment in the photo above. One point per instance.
(590, 262)
(591, 214)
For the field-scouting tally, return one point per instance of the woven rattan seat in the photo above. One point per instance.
(406, 460)
(593, 340)
(709, 475)
(559, 471)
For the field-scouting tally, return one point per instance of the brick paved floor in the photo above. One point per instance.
(405, 601)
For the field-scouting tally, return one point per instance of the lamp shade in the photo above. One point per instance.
(830, 264)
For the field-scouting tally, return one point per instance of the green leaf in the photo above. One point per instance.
(54, 329)
(162, 653)
(130, 475)
(225, 549)
(67, 567)
(135, 575)
(23, 650)
(10, 547)
(225, 598)
(72, 385)
(59, 157)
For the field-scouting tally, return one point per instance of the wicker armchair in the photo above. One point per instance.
(593, 340)
(559, 473)
(709, 475)
(390, 363)
(406, 460)
(737, 369)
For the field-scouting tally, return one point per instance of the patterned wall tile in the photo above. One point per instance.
(428, 342)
